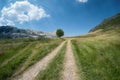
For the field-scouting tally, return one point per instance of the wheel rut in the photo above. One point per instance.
(70, 67)
(33, 71)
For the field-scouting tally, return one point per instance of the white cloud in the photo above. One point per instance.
(82, 1)
(21, 11)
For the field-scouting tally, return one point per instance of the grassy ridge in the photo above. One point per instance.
(53, 71)
(24, 56)
(98, 57)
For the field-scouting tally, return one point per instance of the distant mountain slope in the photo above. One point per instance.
(13, 32)
(109, 24)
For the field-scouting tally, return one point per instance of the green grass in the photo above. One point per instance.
(8, 69)
(20, 40)
(11, 51)
(10, 47)
(55, 67)
(28, 55)
(38, 52)
(98, 58)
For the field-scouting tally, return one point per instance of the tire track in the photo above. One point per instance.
(70, 67)
(33, 71)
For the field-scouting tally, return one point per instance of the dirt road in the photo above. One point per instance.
(32, 72)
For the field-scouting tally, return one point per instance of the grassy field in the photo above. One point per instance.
(14, 60)
(7, 51)
(98, 58)
(55, 67)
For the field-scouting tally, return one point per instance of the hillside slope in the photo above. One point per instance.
(109, 24)
(97, 53)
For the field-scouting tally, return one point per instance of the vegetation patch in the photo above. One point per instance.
(8, 69)
(26, 56)
(98, 57)
(7, 51)
(38, 52)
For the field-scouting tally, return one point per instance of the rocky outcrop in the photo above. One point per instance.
(13, 32)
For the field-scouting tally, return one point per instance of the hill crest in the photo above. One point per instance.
(108, 24)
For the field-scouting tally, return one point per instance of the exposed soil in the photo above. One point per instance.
(70, 67)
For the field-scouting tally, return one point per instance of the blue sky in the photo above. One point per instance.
(75, 17)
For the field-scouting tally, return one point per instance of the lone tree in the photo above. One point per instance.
(60, 32)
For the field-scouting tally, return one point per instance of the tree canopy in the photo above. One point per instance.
(60, 32)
